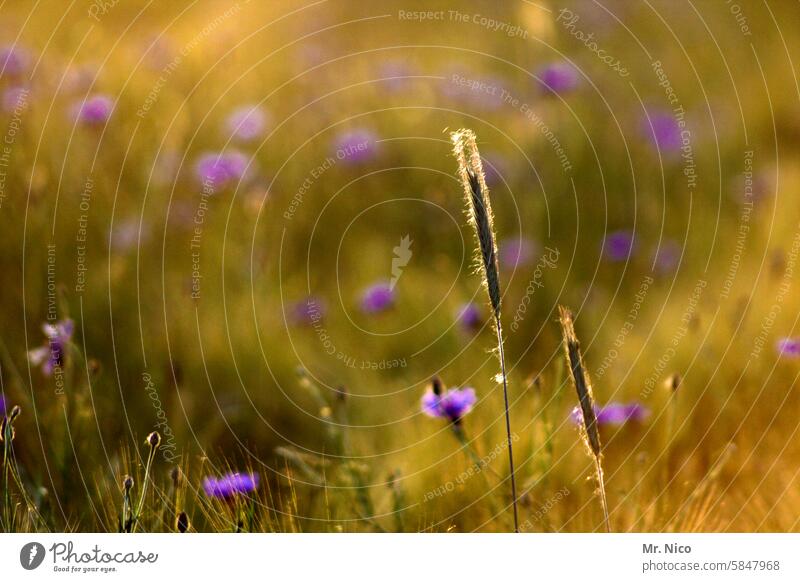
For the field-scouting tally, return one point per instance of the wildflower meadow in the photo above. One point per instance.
(482, 266)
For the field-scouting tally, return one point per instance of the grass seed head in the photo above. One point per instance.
(582, 385)
(479, 210)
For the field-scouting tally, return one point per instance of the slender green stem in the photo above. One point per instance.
(458, 431)
(144, 489)
(508, 421)
(669, 438)
(127, 519)
(479, 464)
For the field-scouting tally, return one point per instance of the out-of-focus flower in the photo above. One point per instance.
(78, 79)
(666, 256)
(181, 214)
(376, 298)
(230, 485)
(469, 316)
(474, 88)
(218, 170)
(127, 234)
(619, 245)
(51, 357)
(15, 99)
(495, 167)
(753, 186)
(487, 92)
(310, 55)
(13, 61)
(247, 123)
(355, 146)
(663, 129)
(395, 75)
(788, 347)
(560, 78)
(308, 311)
(614, 414)
(158, 51)
(2, 405)
(453, 404)
(95, 110)
(516, 252)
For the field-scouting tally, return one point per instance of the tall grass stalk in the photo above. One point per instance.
(583, 387)
(672, 384)
(479, 210)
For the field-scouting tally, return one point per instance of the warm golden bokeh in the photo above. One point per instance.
(251, 213)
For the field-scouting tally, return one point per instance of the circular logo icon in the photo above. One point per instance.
(31, 555)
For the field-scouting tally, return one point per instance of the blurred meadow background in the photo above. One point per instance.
(241, 226)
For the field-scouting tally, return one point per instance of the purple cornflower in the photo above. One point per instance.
(662, 128)
(487, 92)
(247, 123)
(94, 110)
(230, 485)
(451, 87)
(559, 77)
(453, 404)
(474, 88)
(788, 347)
(666, 256)
(127, 234)
(394, 75)
(516, 252)
(308, 311)
(78, 79)
(468, 315)
(217, 170)
(13, 61)
(495, 166)
(355, 146)
(51, 356)
(376, 298)
(614, 414)
(15, 98)
(309, 55)
(158, 51)
(752, 186)
(619, 245)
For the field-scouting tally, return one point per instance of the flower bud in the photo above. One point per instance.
(674, 382)
(154, 440)
(175, 475)
(182, 522)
